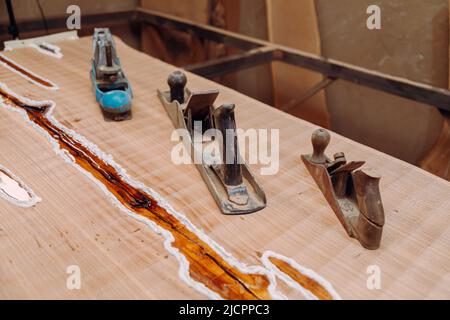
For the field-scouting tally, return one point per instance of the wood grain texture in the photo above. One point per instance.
(121, 258)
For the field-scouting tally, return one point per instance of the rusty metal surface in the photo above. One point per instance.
(232, 185)
(351, 192)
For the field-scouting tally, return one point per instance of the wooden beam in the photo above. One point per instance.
(324, 83)
(416, 91)
(241, 61)
(211, 33)
(402, 87)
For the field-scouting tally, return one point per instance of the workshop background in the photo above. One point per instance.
(413, 43)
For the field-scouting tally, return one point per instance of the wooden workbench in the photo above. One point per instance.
(121, 257)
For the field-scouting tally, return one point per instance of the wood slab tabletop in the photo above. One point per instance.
(78, 223)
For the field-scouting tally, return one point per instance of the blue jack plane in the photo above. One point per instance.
(111, 87)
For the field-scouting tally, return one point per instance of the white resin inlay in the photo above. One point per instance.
(23, 75)
(15, 191)
(12, 188)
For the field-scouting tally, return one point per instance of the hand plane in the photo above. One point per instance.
(111, 87)
(228, 178)
(353, 194)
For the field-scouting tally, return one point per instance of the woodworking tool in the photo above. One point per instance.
(111, 87)
(231, 183)
(353, 194)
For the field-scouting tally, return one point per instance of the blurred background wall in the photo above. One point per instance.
(29, 9)
(41, 10)
(413, 44)
(248, 17)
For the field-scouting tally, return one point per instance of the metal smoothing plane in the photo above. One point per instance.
(353, 194)
(111, 87)
(230, 182)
